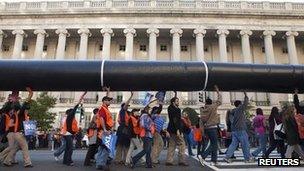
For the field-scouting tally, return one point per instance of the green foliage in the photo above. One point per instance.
(39, 111)
(193, 115)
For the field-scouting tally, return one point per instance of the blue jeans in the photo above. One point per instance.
(189, 144)
(239, 137)
(67, 158)
(61, 149)
(146, 151)
(262, 145)
(212, 134)
(102, 156)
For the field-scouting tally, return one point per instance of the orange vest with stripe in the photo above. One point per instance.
(136, 127)
(8, 121)
(99, 128)
(109, 120)
(74, 127)
(143, 131)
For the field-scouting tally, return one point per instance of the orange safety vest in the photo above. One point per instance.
(136, 127)
(74, 127)
(109, 120)
(99, 127)
(8, 120)
(127, 118)
(197, 134)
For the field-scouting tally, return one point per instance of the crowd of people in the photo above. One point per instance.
(143, 132)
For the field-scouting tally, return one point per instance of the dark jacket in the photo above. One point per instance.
(300, 109)
(175, 119)
(291, 131)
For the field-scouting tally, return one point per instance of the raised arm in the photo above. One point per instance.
(296, 101)
(219, 96)
(246, 100)
(108, 91)
(128, 101)
(30, 95)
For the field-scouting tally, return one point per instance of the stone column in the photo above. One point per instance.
(291, 46)
(176, 34)
(245, 34)
(269, 46)
(82, 55)
(107, 33)
(269, 53)
(2, 35)
(20, 34)
(246, 52)
(199, 34)
(41, 34)
(153, 34)
(222, 34)
(60, 52)
(63, 34)
(130, 33)
(4, 94)
(83, 47)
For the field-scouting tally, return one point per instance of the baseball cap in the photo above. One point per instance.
(106, 98)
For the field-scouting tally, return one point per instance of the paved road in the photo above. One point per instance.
(43, 161)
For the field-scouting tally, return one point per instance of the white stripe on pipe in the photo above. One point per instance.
(206, 78)
(101, 73)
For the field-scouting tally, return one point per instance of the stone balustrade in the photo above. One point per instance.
(229, 6)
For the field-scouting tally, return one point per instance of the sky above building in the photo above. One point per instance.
(214, 0)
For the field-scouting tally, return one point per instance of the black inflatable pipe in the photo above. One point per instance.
(148, 76)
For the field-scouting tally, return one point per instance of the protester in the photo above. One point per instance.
(238, 128)
(275, 119)
(259, 124)
(123, 133)
(135, 142)
(94, 141)
(291, 130)
(158, 143)
(70, 129)
(198, 138)
(14, 127)
(146, 133)
(102, 158)
(211, 119)
(186, 129)
(299, 118)
(175, 130)
(62, 147)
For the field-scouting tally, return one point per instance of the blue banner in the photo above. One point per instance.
(147, 99)
(110, 142)
(30, 127)
(160, 95)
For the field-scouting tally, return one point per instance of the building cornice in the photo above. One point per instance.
(197, 7)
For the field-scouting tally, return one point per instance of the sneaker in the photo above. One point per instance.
(56, 158)
(227, 160)
(251, 160)
(132, 164)
(169, 164)
(183, 164)
(29, 166)
(213, 163)
(201, 160)
(7, 165)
